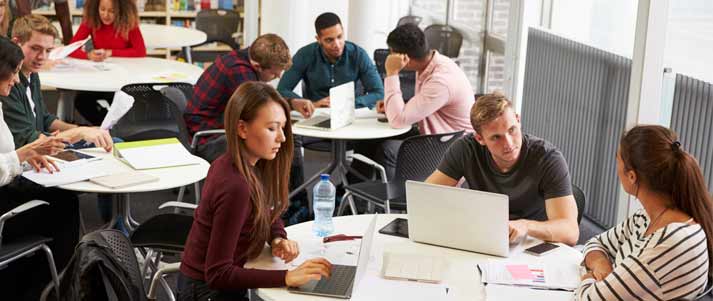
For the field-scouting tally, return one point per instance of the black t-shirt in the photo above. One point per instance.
(540, 173)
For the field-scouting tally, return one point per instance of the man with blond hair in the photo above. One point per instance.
(531, 171)
(265, 59)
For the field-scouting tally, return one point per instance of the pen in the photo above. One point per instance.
(339, 237)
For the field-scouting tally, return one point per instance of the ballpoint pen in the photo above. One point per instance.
(339, 237)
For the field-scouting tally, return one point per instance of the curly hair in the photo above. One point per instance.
(408, 39)
(125, 12)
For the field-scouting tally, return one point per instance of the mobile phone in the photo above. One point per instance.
(88, 46)
(541, 249)
(382, 119)
(72, 155)
(397, 227)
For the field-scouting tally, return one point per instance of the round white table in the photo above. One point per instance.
(111, 75)
(162, 36)
(169, 178)
(462, 278)
(360, 129)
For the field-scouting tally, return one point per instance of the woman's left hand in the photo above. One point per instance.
(286, 249)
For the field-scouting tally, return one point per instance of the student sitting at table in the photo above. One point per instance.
(23, 280)
(662, 252)
(25, 111)
(114, 28)
(443, 95)
(531, 171)
(244, 195)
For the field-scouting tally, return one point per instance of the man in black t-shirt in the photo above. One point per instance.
(531, 171)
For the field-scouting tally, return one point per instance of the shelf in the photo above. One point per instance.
(75, 13)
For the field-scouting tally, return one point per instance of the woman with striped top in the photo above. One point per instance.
(660, 252)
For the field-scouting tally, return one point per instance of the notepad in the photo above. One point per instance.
(126, 179)
(156, 153)
(414, 267)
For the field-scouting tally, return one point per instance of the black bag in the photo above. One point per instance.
(95, 272)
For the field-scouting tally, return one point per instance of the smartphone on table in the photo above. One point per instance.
(541, 249)
(71, 155)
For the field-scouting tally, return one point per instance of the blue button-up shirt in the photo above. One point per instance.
(319, 74)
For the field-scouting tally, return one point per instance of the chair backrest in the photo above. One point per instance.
(581, 201)
(420, 155)
(121, 246)
(153, 115)
(406, 78)
(180, 94)
(446, 39)
(219, 25)
(409, 19)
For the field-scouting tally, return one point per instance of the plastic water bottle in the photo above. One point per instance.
(323, 204)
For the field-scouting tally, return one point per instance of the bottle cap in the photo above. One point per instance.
(324, 177)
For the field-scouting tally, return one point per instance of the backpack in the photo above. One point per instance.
(100, 269)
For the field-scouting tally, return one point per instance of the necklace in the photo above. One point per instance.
(657, 218)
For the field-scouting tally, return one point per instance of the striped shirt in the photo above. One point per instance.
(669, 264)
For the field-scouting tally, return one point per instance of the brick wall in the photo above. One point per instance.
(471, 12)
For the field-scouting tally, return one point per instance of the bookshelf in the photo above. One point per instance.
(164, 12)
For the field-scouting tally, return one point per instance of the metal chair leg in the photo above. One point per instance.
(197, 188)
(352, 206)
(343, 204)
(53, 269)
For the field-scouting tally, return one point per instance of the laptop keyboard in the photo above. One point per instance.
(342, 278)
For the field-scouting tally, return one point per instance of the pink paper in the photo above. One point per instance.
(520, 271)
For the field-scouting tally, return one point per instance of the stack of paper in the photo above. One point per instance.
(155, 153)
(537, 275)
(68, 173)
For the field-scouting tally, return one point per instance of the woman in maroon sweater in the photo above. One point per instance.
(243, 197)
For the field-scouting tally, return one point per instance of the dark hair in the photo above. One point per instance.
(268, 180)
(408, 39)
(661, 165)
(126, 16)
(10, 57)
(326, 20)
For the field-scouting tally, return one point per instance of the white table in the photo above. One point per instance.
(115, 72)
(360, 129)
(169, 178)
(164, 36)
(461, 278)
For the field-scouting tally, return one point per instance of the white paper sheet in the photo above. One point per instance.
(373, 287)
(64, 51)
(564, 276)
(121, 104)
(504, 292)
(368, 113)
(70, 172)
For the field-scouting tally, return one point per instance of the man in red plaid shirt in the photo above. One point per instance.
(264, 60)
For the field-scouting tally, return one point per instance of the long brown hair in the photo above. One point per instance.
(5, 23)
(268, 179)
(660, 163)
(126, 16)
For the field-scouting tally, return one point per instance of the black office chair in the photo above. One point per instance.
(409, 20)
(151, 117)
(418, 157)
(581, 201)
(446, 39)
(407, 78)
(18, 248)
(219, 26)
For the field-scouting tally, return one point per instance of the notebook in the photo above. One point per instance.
(126, 179)
(414, 267)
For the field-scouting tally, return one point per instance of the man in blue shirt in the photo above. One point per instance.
(330, 62)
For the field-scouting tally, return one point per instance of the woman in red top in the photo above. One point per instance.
(244, 195)
(114, 28)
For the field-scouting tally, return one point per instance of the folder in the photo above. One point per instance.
(155, 153)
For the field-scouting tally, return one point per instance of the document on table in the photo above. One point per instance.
(64, 51)
(121, 104)
(373, 287)
(155, 153)
(509, 292)
(361, 113)
(69, 172)
(538, 275)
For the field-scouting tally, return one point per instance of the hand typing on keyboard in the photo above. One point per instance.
(312, 269)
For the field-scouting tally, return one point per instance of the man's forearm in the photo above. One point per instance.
(59, 125)
(558, 230)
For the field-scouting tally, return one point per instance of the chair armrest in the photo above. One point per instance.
(17, 210)
(168, 268)
(377, 166)
(182, 205)
(199, 134)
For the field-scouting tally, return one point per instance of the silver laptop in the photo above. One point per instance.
(458, 218)
(344, 277)
(341, 111)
